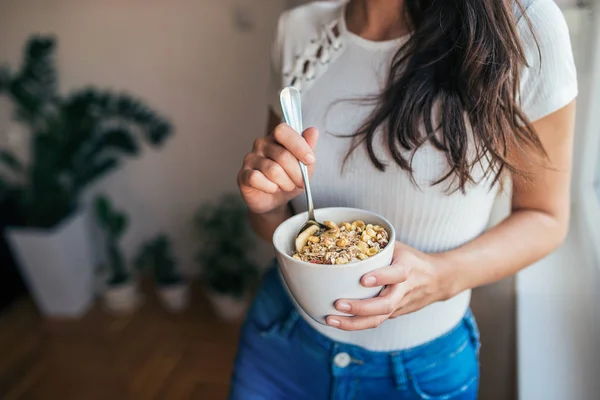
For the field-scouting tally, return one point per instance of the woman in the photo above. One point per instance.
(424, 108)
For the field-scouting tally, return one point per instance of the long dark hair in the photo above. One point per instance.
(465, 56)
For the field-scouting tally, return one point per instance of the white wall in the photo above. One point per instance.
(558, 298)
(558, 324)
(188, 60)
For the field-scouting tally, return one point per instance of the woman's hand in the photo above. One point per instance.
(413, 281)
(270, 175)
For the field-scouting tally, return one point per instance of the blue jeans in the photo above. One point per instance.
(281, 357)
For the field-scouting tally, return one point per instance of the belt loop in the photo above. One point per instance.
(397, 364)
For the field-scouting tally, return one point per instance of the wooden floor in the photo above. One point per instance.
(150, 355)
(153, 355)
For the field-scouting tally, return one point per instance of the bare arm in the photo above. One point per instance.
(540, 214)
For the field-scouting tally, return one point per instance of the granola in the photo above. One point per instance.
(343, 244)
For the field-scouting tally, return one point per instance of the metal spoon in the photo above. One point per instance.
(292, 112)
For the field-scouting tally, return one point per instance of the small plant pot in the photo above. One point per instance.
(228, 308)
(122, 299)
(174, 298)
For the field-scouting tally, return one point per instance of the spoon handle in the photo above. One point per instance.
(291, 105)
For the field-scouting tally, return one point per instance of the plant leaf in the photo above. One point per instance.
(3, 188)
(38, 78)
(93, 172)
(103, 210)
(121, 139)
(158, 132)
(4, 78)
(34, 88)
(117, 263)
(126, 109)
(11, 161)
(115, 139)
(119, 224)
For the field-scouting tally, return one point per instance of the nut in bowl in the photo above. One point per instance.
(311, 267)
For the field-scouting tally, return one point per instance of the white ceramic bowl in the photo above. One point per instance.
(316, 287)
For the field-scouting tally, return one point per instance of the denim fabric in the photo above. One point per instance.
(280, 357)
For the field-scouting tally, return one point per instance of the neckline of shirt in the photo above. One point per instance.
(366, 43)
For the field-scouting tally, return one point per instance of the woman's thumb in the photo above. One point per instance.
(311, 135)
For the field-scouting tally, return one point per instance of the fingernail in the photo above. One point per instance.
(370, 281)
(343, 306)
(310, 158)
(333, 322)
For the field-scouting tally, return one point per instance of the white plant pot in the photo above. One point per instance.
(122, 299)
(57, 265)
(174, 298)
(228, 308)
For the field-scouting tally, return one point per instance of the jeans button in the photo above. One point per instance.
(342, 360)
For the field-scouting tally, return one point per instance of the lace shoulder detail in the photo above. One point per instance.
(312, 59)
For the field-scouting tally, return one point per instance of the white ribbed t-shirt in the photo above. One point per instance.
(331, 66)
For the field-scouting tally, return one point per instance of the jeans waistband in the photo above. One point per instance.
(355, 361)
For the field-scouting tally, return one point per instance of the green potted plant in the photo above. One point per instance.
(226, 241)
(157, 256)
(121, 294)
(73, 140)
